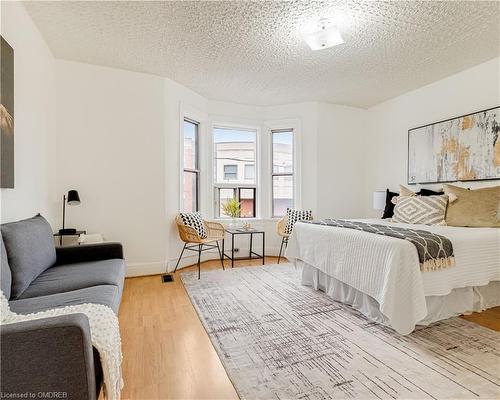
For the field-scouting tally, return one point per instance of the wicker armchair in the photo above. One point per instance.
(194, 242)
(280, 230)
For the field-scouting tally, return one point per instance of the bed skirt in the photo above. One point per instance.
(457, 302)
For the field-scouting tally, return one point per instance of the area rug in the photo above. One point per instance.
(280, 340)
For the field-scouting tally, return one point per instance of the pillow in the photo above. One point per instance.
(30, 250)
(429, 192)
(296, 215)
(405, 192)
(389, 206)
(427, 210)
(474, 208)
(195, 220)
(6, 274)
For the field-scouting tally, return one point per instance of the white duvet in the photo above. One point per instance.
(388, 270)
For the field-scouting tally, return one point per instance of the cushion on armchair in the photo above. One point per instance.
(293, 216)
(30, 250)
(195, 221)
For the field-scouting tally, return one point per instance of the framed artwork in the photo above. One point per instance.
(465, 148)
(6, 115)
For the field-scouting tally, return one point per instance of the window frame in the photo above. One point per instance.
(278, 174)
(196, 170)
(236, 194)
(215, 186)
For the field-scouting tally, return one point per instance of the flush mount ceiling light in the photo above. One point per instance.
(322, 35)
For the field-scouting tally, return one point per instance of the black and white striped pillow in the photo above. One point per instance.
(296, 215)
(195, 220)
(427, 210)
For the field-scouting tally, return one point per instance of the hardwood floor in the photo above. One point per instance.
(166, 351)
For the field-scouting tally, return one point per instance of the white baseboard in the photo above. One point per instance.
(141, 269)
(188, 260)
(154, 268)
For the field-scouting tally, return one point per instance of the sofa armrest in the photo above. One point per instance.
(88, 252)
(50, 355)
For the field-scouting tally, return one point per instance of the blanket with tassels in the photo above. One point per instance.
(434, 251)
(104, 331)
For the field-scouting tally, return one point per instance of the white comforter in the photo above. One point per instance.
(387, 268)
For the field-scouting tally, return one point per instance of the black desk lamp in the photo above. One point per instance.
(73, 199)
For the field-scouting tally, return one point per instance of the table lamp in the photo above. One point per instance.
(379, 199)
(73, 199)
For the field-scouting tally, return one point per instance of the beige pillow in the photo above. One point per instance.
(480, 207)
(427, 210)
(404, 191)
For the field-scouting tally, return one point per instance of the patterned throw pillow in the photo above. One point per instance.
(296, 215)
(427, 210)
(195, 220)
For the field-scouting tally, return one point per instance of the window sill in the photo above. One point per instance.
(243, 220)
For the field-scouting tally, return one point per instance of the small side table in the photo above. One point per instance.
(60, 235)
(252, 254)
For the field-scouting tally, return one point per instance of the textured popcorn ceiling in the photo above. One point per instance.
(252, 52)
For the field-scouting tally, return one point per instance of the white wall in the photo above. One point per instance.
(111, 148)
(341, 161)
(34, 109)
(387, 126)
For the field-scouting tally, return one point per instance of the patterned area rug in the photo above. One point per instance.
(280, 340)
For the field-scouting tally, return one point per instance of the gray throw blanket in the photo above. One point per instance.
(434, 251)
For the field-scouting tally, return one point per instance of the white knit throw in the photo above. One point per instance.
(105, 334)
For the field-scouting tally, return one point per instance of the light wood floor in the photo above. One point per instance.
(166, 352)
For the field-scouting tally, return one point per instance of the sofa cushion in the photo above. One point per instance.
(6, 275)
(65, 278)
(30, 250)
(108, 295)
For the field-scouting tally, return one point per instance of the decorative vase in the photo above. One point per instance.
(234, 223)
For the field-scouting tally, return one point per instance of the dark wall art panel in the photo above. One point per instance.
(7, 114)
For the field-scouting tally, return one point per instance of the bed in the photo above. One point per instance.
(380, 276)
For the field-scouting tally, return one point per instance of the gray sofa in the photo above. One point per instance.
(53, 355)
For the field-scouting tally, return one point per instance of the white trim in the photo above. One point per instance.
(190, 112)
(295, 125)
(242, 124)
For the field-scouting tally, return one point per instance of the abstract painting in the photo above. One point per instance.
(6, 115)
(465, 148)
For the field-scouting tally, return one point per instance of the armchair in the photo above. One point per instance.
(194, 242)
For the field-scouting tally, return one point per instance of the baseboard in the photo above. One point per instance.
(154, 268)
(209, 255)
(141, 269)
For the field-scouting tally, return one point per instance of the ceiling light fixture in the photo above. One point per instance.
(322, 35)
